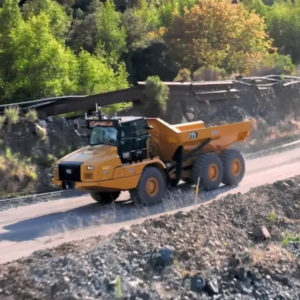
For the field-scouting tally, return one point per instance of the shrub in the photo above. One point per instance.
(157, 91)
(2, 121)
(12, 114)
(31, 115)
(209, 74)
(183, 75)
(41, 132)
(17, 175)
(274, 63)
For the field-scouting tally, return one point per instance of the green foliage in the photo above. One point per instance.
(274, 64)
(45, 162)
(272, 217)
(183, 75)
(59, 21)
(51, 48)
(31, 115)
(97, 76)
(289, 238)
(17, 175)
(111, 35)
(283, 21)
(258, 6)
(2, 121)
(12, 115)
(157, 91)
(209, 73)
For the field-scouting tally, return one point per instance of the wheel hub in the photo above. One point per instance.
(236, 167)
(213, 172)
(152, 186)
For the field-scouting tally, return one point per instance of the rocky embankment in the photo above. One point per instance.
(244, 246)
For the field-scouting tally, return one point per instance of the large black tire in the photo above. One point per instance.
(105, 198)
(151, 188)
(210, 170)
(234, 167)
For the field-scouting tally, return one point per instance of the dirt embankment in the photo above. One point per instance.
(243, 246)
(29, 149)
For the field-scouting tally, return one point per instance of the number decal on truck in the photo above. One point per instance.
(193, 135)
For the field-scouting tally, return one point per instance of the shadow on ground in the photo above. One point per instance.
(94, 214)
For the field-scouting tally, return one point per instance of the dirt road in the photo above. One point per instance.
(26, 229)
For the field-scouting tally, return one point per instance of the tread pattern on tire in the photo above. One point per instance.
(199, 170)
(136, 194)
(225, 156)
(105, 198)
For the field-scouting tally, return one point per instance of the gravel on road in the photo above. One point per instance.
(243, 246)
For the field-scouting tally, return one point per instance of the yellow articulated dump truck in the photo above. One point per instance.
(145, 156)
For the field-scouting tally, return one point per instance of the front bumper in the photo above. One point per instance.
(124, 184)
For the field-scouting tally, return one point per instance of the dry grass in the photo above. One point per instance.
(2, 121)
(12, 115)
(271, 255)
(17, 175)
(31, 116)
(41, 132)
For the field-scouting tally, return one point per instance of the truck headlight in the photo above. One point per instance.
(90, 168)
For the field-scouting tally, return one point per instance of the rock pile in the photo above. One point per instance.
(240, 247)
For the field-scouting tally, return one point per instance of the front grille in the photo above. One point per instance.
(69, 171)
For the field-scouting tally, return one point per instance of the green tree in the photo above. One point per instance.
(41, 65)
(111, 34)
(283, 21)
(257, 6)
(97, 76)
(59, 23)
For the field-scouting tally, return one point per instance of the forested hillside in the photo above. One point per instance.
(50, 48)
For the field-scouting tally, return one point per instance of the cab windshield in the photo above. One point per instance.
(103, 135)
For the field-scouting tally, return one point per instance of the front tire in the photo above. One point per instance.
(105, 198)
(208, 167)
(151, 188)
(234, 167)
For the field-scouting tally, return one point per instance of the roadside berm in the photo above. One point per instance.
(243, 246)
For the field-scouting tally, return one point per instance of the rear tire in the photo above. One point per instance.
(234, 167)
(151, 188)
(210, 170)
(105, 198)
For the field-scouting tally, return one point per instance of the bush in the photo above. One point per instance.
(17, 175)
(157, 91)
(274, 63)
(2, 121)
(183, 75)
(41, 132)
(31, 115)
(12, 114)
(209, 74)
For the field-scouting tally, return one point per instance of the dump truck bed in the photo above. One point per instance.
(190, 135)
